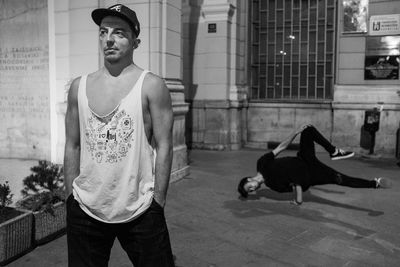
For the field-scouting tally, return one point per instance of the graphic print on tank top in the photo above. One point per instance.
(109, 142)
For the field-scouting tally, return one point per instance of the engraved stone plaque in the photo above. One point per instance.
(24, 80)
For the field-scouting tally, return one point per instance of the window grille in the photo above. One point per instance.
(292, 46)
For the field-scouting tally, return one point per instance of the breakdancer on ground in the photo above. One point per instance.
(297, 174)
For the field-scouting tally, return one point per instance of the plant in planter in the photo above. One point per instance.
(5, 200)
(15, 227)
(44, 195)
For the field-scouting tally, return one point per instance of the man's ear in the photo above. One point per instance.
(136, 43)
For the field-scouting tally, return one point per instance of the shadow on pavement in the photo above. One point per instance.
(381, 163)
(330, 191)
(250, 207)
(309, 197)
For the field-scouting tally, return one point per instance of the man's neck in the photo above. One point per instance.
(115, 69)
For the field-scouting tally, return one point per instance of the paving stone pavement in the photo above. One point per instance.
(211, 227)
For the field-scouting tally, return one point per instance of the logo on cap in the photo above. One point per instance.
(116, 8)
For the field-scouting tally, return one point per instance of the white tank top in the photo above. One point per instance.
(116, 180)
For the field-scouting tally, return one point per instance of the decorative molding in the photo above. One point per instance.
(238, 93)
(217, 104)
(363, 106)
(177, 89)
(299, 105)
(180, 109)
(371, 94)
(174, 85)
(380, 1)
(217, 11)
(179, 174)
(368, 87)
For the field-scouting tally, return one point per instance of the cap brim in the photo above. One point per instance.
(99, 14)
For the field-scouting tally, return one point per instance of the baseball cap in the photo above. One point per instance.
(118, 10)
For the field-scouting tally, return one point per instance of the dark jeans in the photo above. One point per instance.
(145, 239)
(319, 172)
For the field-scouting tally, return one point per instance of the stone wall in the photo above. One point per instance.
(214, 35)
(349, 113)
(217, 125)
(221, 116)
(33, 109)
(24, 80)
(353, 94)
(270, 123)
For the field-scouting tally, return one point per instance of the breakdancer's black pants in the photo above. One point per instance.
(319, 172)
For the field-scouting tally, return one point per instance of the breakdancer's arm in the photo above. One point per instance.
(298, 199)
(285, 143)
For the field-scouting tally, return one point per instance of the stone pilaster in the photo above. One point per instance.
(217, 95)
(165, 59)
(180, 167)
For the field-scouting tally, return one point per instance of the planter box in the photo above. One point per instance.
(15, 237)
(47, 226)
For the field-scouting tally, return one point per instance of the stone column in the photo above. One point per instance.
(166, 60)
(160, 52)
(217, 93)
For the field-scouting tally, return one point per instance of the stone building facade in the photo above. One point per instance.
(70, 48)
(273, 65)
(241, 73)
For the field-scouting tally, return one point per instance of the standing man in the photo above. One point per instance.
(297, 174)
(118, 153)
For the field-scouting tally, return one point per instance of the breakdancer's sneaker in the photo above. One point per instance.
(382, 182)
(341, 154)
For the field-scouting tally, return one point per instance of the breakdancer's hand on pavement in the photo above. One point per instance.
(294, 202)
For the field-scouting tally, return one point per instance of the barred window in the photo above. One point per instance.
(292, 45)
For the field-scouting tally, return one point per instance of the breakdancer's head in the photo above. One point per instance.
(250, 184)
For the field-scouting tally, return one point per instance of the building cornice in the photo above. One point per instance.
(217, 11)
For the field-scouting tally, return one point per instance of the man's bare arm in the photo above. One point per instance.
(72, 138)
(162, 124)
(298, 198)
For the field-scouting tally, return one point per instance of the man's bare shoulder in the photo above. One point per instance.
(75, 82)
(95, 75)
(154, 85)
(73, 90)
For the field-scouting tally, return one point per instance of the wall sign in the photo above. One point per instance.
(355, 14)
(382, 58)
(212, 27)
(382, 45)
(384, 24)
(381, 68)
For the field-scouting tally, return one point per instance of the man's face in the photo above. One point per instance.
(251, 186)
(117, 39)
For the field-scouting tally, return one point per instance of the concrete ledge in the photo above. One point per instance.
(371, 94)
(364, 106)
(179, 174)
(218, 104)
(292, 104)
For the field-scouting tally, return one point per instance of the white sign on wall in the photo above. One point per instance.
(384, 24)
